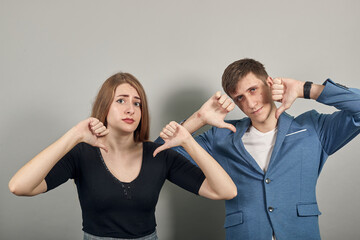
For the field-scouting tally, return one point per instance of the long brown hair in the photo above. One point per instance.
(106, 95)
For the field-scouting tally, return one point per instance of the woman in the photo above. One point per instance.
(117, 171)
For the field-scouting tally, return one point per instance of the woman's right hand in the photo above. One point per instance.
(91, 131)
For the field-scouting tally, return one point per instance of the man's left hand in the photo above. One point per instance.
(286, 90)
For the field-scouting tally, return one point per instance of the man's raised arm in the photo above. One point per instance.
(212, 112)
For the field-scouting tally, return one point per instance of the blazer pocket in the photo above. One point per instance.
(307, 209)
(233, 219)
(296, 135)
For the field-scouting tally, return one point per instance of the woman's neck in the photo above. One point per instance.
(120, 143)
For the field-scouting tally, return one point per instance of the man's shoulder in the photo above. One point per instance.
(306, 116)
(237, 121)
(221, 132)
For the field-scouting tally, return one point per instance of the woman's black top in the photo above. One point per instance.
(111, 208)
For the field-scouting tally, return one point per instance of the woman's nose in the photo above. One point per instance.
(130, 109)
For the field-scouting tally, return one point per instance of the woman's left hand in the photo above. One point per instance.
(174, 135)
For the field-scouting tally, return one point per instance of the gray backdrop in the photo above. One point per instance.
(54, 55)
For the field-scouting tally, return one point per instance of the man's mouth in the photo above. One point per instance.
(257, 111)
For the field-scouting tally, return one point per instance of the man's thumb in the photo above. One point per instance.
(228, 126)
(279, 111)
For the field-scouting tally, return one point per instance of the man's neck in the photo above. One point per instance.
(269, 124)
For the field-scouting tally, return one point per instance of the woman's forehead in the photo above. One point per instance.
(126, 89)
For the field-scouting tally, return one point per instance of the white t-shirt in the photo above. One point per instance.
(260, 146)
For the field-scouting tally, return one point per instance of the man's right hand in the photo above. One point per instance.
(214, 111)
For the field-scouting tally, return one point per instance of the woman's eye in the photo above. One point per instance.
(120, 100)
(137, 104)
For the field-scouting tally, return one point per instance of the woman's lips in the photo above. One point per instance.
(129, 120)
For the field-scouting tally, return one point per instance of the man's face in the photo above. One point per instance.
(253, 97)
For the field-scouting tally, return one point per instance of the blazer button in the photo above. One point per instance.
(271, 209)
(267, 180)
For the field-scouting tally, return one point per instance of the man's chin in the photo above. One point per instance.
(261, 119)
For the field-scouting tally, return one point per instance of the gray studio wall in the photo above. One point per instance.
(54, 55)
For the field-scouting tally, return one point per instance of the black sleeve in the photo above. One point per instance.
(63, 170)
(183, 173)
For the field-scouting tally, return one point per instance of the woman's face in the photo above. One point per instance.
(125, 111)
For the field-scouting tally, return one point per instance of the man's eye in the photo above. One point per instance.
(120, 100)
(252, 90)
(239, 98)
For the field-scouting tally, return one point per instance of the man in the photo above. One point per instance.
(274, 158)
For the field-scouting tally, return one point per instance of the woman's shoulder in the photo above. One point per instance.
(83, 148)
(150, 145)
(149, 148)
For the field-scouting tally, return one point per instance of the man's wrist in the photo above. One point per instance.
(193, 123)
(200, 118)
(307, 89)
(300, 89)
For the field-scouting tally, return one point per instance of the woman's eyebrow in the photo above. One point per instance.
(126, 95)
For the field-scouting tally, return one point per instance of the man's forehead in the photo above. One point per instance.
(250, 77)
(245, 83)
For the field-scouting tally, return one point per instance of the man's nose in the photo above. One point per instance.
(251, 102)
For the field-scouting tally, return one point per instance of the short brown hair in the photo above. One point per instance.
(105, 97)
(239, 69)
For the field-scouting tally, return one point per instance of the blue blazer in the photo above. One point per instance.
(283, 200)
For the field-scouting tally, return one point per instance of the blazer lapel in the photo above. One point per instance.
(241, 128)
(284, 123)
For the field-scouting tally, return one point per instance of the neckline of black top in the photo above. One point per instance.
(113, 176)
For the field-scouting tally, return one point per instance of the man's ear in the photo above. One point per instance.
(269, 81)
